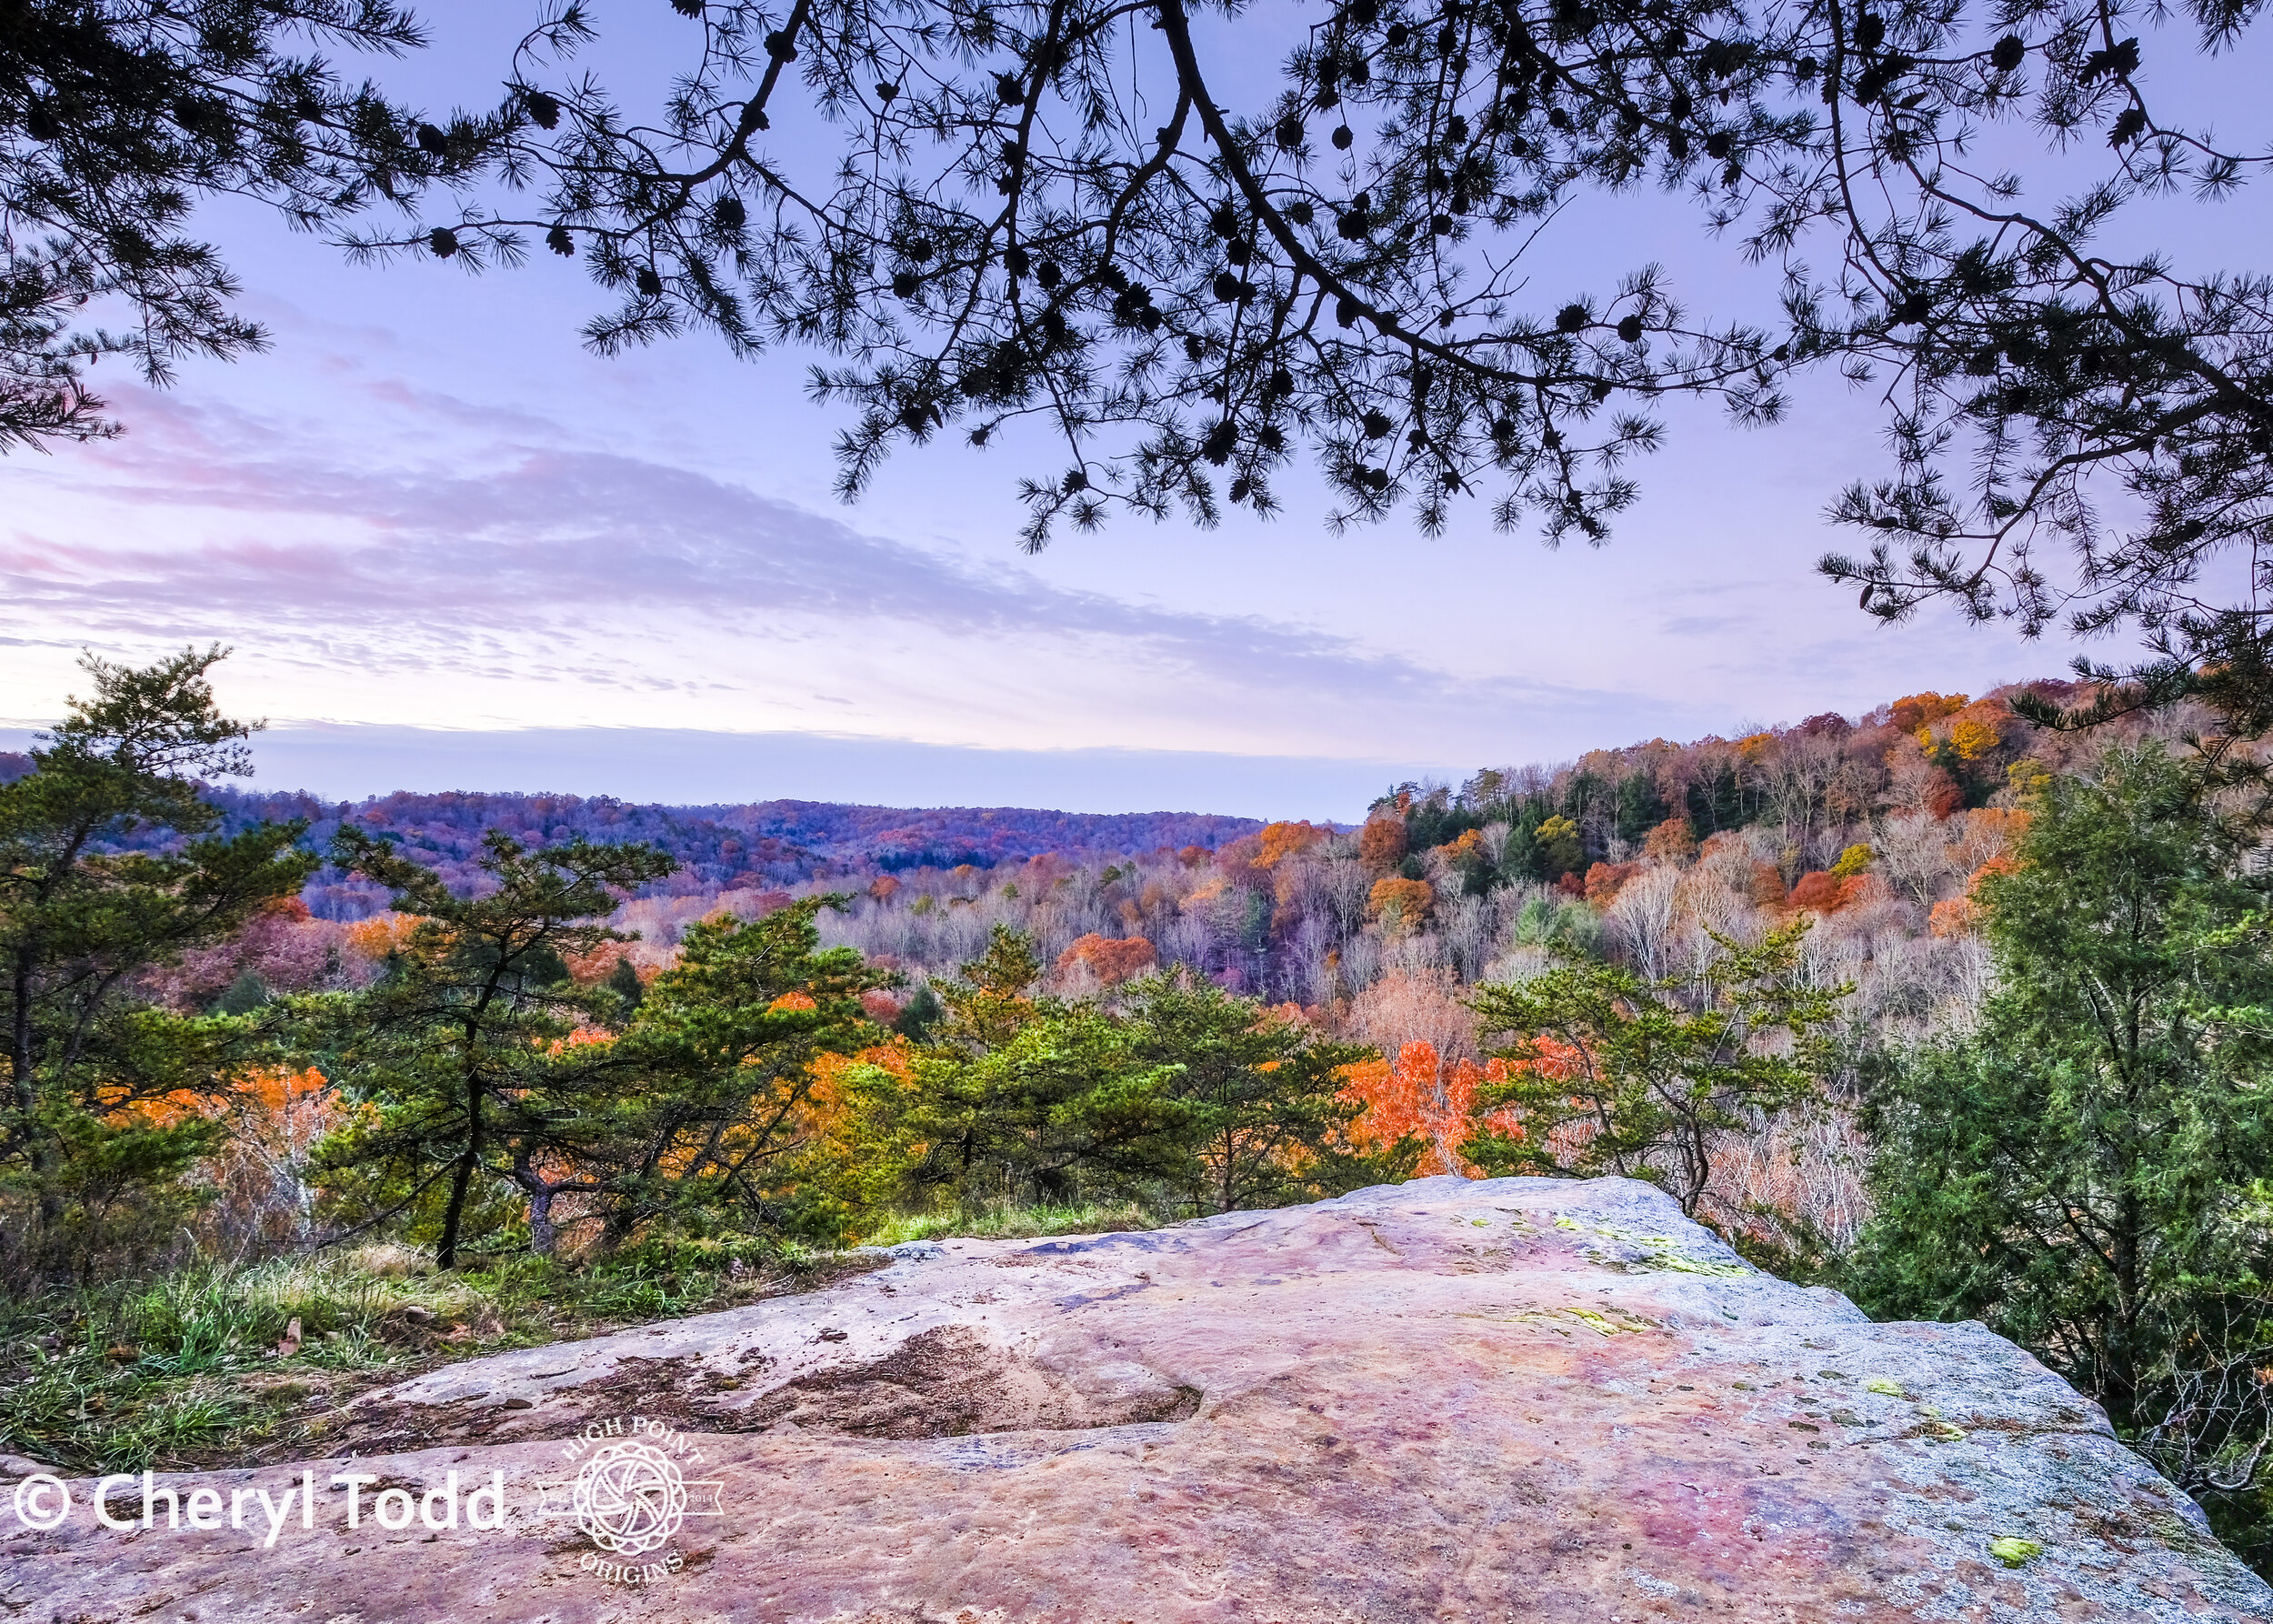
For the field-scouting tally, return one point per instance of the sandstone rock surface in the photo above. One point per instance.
(1530, 1400)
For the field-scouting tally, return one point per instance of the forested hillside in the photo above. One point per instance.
(1876, 821)
(1966, 1014)
(1872, 829)
(757, 846)
(1797, 794)
(1872, 826)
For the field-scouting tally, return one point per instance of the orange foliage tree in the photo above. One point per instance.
(1418, 1098)
(1403, 902)
(1279, 841)
(1914, 711)
(383, 935)
(1990, 832)
(1672, 841)
(278, 1116)
(1605, 880)
(846, 1148)
(1381, 844)
(1112, 960)
(270, 1119)
(1961, 916)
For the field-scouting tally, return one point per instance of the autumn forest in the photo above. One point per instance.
(1959, 1011)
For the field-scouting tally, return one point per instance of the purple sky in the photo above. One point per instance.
(430, 510)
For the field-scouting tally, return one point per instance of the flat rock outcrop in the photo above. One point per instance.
(1506, 1399)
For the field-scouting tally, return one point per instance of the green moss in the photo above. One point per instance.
(2015, 1551)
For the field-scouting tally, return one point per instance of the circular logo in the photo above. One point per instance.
(42, 1502)
(630, 1497)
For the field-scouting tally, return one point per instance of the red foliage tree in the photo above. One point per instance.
(1605, 880)
(1823, 893)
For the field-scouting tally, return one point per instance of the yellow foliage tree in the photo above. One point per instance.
(1853, 861)
(1975, 736)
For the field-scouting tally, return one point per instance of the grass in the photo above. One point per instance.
(1004, 1222)
(198, 1368)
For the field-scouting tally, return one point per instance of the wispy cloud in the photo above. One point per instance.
(511, 550)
